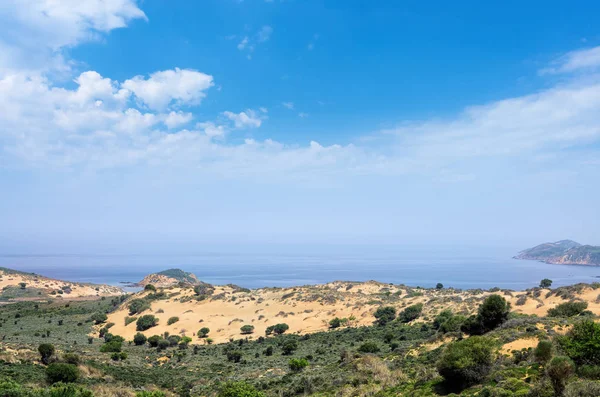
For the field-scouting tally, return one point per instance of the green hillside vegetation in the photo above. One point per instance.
(563, 252)
(426, 357)
(179, 275)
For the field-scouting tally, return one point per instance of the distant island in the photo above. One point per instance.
(563, 252)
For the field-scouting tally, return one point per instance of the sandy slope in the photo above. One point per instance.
(47, 286)
(309, 308)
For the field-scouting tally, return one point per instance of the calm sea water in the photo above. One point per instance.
(255, 269)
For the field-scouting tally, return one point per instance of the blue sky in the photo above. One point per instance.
(143, 125)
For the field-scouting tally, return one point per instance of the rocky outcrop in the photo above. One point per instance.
(169, 278)
(564, 252)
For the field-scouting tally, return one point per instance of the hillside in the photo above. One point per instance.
(564, 252)
(168, 278)
(306, 309)
(16, 285)
(330, 347)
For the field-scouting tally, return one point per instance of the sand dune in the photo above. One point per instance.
(36, 286)
(309, 309)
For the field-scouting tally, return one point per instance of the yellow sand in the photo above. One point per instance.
(78, 290)
(308, 309)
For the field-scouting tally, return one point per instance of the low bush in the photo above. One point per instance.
(568, 309)
(62, 372)
(466, 362)
(145, 322)
(298, 364)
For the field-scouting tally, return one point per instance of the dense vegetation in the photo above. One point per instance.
(404, 353)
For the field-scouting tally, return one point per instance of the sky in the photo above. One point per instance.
(129, 126)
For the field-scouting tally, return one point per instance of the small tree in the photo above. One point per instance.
(466, 362)
(289, 346)
(410, 313)
(247, 329)
(545, 283)
(543, 351)
(559, 369)
(150, 287)
(384, 315)
(172, 320)
(298, 364)
(279, 329)
(22, 285)
(99, 318)
(335, 323)
(137, 306)
(582, 343)
(493, 311)
(369, 347)
(113, 346)
(163, 344)
(203, 333)
(153, 340)
(139, 339)
(46, 351)
(61, 372)
(234, 356)
(439, 286)
(145, 322)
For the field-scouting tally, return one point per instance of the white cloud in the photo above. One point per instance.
(242, 44)
(177, 119)
(211, 129)
(178, 86)
(302, 115)
(248, 44)
(264, 34)
(35, 31)
(574, 61)
(246, 119)
(288, 105)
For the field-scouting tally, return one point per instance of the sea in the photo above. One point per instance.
(425, 267)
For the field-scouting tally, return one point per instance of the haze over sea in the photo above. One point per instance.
(289, 266)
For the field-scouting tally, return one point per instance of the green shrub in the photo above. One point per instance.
(118, 356)
(150, 287)
(466, 362)
(335, 323)
(543, 351)
(289, 346)
(452, 324)
(298, 364)
(568, 309)
(277, 329)
(172, 320)
(60, 390)
(153, 340)
(163, 344)
(441, 318)
(559, 369)
(203, 333)
(545, 283)
(384, 315)
(137, 306)
(61, 372)
(145, 322)
(239, 389)
(139, 339)
(369, 347)
(493, 311)
(234, 356)
(439, 286)
(410, 313)
(111, 347)
(582, 343)
(247, 329)
(582, 388)
(99, 318)
(71, 358)
(46, 351)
